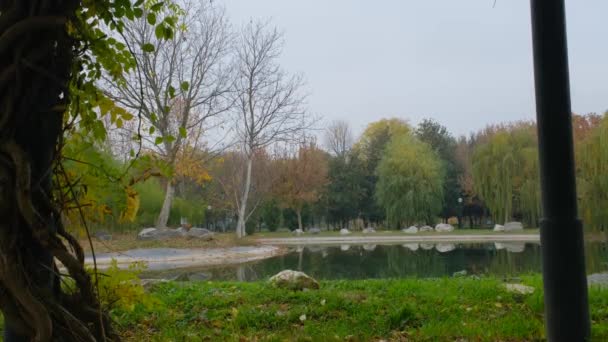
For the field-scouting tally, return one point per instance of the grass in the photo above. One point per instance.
(127, 241)
(450, 309)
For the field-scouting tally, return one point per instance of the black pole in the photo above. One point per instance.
(563, 259)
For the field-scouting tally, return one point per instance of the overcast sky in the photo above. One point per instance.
(462, 63)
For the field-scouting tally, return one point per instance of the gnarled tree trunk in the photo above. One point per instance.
(36, 59)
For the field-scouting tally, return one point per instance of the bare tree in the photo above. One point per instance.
(180, 86)
(339, 138)
(269, 105)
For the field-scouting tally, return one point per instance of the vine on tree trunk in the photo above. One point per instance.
(52, 52)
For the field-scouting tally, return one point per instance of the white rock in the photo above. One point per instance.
(293, 280)
(519, 288)
(510, 226)
(410, 230)
(344, 231)
(499, 228)
(303, 317)
(344, 248)
(314, 230)
(444, 227)
(298, 231)
(426, 229)
(369, 230)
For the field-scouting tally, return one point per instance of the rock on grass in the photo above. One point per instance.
(293, 280)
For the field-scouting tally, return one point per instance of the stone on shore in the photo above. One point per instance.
(499, 228)
(293, 280)
(344, 231)
(199, 233)
(410, 230)
(369, 230)
(444, 227)
(314, 230)
(158, 234)
(298, 231)
(511, 226)
(425, 229)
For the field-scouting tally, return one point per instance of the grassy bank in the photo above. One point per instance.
(126, 241)
(365, 310)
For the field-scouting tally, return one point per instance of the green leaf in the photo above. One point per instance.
(171, 91)
(138, 12)
(152, 130)
(151, 17)
(159, 32)
(184, 86)
(169, 138)
(147, 47)
(156, 7)
(119, 123)
(158, 140)
(182, 132)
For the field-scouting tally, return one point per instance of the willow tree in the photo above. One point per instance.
(592, 171)
(52, 53)
(505, 173)
(410, 182)
(368, 149)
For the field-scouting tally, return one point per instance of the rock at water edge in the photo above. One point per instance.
(344, 231)
(426, 229)
(444, 227)
(511, 226)
(410, 230)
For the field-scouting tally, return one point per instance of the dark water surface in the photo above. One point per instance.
(392, 261)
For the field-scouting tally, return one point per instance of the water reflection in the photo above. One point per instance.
(396, 261)
(411, 246)
(513, 247)
(445, 247)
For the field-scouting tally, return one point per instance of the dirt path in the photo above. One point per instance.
(332, 240)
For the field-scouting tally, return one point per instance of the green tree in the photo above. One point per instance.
(410, 182)
(505, 170)
(369, 150)
(346, 189)
(271, 214)
(444, 144)
(592, 179)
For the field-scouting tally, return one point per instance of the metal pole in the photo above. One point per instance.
(563, 259)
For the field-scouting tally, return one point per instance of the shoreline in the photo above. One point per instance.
(165, 258)
(329, 240)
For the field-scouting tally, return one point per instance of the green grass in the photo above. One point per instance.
(364, 310)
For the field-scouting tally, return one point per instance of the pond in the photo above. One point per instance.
(505, 259)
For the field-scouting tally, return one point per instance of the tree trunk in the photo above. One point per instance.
(240, 227)
(299, 213)
(163, 216)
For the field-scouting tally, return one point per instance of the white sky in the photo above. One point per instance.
(463, 63)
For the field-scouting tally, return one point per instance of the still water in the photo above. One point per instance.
(505, 259)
